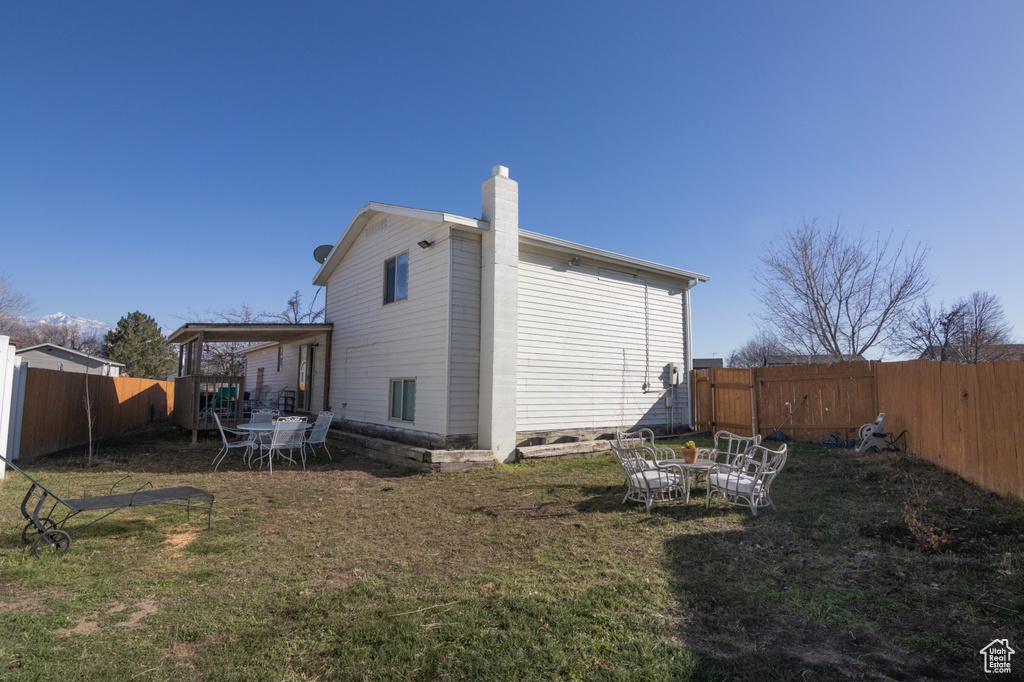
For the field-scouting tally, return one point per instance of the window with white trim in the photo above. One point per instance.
(396, 276)
(403, 400)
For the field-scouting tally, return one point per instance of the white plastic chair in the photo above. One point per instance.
(318, 434)
(748, 483)
(288, 435)
(648, 481)
(227, 446)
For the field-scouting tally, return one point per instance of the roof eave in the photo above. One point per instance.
(362, 217)
(536, 239)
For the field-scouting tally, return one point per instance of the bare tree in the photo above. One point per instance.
(757, 351)
(13, 305)
(984, 329)
(227, 357)
(931, 333)
(824, 291)
(294, 314)
(65, 335)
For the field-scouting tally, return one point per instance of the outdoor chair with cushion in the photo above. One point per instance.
(229, 445)
(646, 480)
(644, 438)
(748, 483)
(730, 448)
(289, 433)
(318, 434)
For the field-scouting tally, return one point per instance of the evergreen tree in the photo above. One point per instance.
(137, 342)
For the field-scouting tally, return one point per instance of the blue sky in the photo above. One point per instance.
(168, 157)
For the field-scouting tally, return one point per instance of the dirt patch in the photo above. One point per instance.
(176, 542)
(146, 607)
(28, 602)
(85, 626)
(90, 624)
(336, 579)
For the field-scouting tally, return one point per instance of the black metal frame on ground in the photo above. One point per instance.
(51, 534)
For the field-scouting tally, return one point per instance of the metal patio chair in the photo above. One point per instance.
(229, 445)
(318, 434)
(289, 434)
(747, 483)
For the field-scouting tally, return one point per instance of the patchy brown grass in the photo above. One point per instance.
(359, 570)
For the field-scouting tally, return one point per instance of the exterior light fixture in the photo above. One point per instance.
(424, 244)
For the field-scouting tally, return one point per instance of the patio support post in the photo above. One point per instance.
(327, 372)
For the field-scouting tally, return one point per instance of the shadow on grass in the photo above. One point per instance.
(161, 448)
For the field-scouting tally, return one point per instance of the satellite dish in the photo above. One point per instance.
(321, 252)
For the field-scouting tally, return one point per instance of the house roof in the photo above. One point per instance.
(218, 332)
(990, 353)
(79, 353)
(373, 209)
(788, 359)
(571, 248)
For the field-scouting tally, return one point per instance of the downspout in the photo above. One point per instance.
(688, 353)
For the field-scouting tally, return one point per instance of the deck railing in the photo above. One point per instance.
(198, 397)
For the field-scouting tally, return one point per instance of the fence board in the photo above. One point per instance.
(54, 414)
(964, 418)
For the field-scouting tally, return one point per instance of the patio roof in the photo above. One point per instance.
(220, 332)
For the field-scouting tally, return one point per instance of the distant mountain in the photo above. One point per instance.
(86, 326)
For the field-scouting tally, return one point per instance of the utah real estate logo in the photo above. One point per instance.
(997, 656)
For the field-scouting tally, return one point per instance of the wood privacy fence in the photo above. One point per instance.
(54, 415)
(966, 418)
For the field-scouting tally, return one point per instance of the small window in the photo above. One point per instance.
(403, 399)
(396, 275)
(280, 358)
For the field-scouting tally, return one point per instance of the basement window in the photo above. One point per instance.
(403, 399)
(396, 275)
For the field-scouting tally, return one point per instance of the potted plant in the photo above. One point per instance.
(689, 452)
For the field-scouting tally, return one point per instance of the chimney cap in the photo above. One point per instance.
(500, 171)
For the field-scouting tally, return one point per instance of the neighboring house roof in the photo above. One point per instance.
(363, 217)
(993, 353)
(218, 332)
(704, 363)
(53, 346)
(811, 359)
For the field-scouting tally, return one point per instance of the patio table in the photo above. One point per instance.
(266, 427)
(699, 467)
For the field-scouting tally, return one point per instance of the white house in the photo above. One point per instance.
(52, 356)
(456, 332)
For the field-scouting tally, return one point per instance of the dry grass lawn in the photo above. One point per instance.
(357, 570)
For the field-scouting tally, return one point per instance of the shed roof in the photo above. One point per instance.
(219, 332)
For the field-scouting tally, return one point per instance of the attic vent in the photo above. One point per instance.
(378, 226)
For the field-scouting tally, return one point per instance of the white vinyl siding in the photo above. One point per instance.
(590, 337)
(374, 342)
(464, 360)
(288, 377)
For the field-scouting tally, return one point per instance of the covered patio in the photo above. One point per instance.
(198, 396)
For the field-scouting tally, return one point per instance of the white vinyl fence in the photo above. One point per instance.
(12, 398)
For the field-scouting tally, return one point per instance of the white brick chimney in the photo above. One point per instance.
(499, 315)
